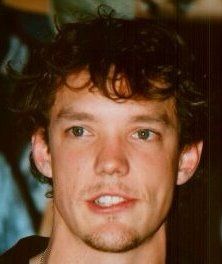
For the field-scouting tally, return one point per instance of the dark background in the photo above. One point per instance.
(197, 212)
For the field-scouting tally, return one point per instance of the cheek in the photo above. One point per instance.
(64, 168)
(67, 158)
(71, 169)
(160, 165)
(157, 173)
(158, 188)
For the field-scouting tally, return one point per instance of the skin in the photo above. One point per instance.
(98, 146)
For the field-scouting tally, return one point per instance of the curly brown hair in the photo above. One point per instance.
(140, 50)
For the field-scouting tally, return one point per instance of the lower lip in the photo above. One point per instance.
(111, 209)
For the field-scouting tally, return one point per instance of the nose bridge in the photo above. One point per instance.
(111, 157)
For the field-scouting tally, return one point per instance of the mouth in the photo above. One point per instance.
(109, 200)
(109, 203)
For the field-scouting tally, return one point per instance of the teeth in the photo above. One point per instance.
(108, 200)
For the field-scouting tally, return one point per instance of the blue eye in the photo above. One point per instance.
(77, 131)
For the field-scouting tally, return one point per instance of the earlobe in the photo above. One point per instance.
(188, 162)
(40, 153)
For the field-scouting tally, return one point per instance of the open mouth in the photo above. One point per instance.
(108, 203)
(109, 200)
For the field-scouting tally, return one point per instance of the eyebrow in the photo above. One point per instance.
(69, 114)
(161, 118)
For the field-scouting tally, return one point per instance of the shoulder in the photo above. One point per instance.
(25, 249)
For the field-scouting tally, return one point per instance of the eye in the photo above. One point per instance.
(144, 134)
(78, 131)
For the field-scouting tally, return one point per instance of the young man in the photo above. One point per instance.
(115, 122)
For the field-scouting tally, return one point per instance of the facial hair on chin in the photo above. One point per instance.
(121, 242)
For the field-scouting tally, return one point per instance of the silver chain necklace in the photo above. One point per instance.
(44, 255)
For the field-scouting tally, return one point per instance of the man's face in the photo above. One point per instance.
(114, 167)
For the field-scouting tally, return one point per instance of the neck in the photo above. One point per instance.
(70, 249)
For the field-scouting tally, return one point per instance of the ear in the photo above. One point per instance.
(40, 153)
(188, 162)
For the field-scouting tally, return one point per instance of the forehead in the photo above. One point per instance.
(76, 98)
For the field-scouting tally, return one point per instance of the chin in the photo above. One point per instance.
(113, 239)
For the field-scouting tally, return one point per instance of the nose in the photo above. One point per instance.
(111, 159)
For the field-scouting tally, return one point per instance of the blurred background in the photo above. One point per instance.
(195, 221)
